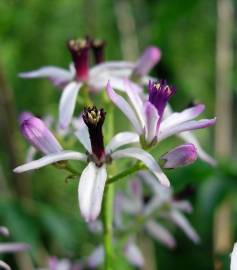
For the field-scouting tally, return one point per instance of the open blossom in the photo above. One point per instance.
(9, 248)
(95, 78)
(94, 176)
(147, 117)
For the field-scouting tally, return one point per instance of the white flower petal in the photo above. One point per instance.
(4, 231)
(152, 118)
(4, 265)
(146, 158)
(59, 76)
(13, 247)
(186, 126)
(185, 115)
(122, 104)
(83, 135)
(233, 263)
(67, 103)
(181, 221)
(190, 138)
(184, 206)
(160, 233)
(49, 159)
(90, 191)
(121, 139)
(134, 254)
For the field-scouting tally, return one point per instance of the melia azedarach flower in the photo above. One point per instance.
(94, 176)
(147, 117)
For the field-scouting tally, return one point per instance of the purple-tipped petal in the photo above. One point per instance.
(122, 104)
(50, 159)
(146, 158)
(121, 139)
(134, 254)
(186, 126)
(190, 138)
(67, 103)
(58, 76)
(13, 247)
(147, 61)
(37, 134)
(181, 221)
(151, 122)
(186, 115)
(233, 263)
(90, 191)
(180, 156)
(160, 233)
(96, 258)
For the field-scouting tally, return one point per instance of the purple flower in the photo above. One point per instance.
(147, 117)
(37, 134)
(93, 177)
(180, 156)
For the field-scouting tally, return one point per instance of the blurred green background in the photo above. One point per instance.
(198, 57)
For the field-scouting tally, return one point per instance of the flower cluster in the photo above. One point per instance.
(144, 101)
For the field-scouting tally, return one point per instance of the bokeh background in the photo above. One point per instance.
(198, 43)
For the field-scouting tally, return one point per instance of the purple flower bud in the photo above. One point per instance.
(147, 61)
(80, 54)
(98, 50)
(37, 134)
(180, 156)
(159, 94)
(94, 119)
(24, 116)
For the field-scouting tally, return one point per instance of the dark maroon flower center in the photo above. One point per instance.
(79, 50)
(94, 119)
(98, 50)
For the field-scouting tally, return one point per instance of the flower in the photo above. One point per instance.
(147, 117)
(96, 78)
(233, 263)
(93, 178)
(182, 155)
(10, 247)
(160, 205)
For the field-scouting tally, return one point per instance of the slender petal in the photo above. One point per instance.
(96, 258)
(184, 206)
(146, 158)
(233, 263)
(122, 104)
(30, 155)
(183, 223)
(50, 159)
(83, 135)
(4, 265)
(151, 122)
(13, 247)
(90, 191)
(67, 103)
(160, 233)
(189, 125)
(190, 138)
(134, 254)
(148, 60)
(186, 115)
(57, 75)
(121, 139)
(180, 156)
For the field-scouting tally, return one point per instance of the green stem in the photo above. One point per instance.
(136, 167)
(107, 216)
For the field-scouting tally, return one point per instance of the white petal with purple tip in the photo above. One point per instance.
(146, 158)
(121, 139)
(96, 258)
(151, 121)
(122, 104)
(50, 159)
(67, 103)
(13, 247)
(90, 191)
(82, 135)
(134, 254)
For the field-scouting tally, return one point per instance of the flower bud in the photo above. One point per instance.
(180, 156)
(37, 134)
